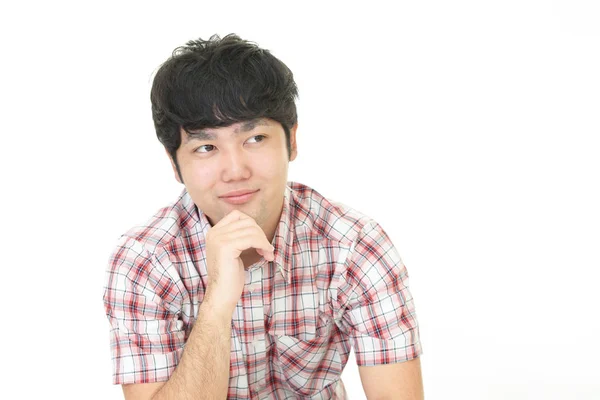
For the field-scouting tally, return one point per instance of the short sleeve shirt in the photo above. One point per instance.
(337, 282)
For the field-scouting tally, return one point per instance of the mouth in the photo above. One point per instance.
(240, 197)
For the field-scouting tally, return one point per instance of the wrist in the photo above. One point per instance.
(216, 308)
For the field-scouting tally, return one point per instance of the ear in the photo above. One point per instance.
(293, 144)
(173, 166)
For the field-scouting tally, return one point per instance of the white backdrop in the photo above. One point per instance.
(468, 129)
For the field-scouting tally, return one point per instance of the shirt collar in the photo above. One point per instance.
(193, 221)
(284, 237)
(196, 223)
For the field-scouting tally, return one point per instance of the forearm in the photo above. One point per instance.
(203, 372)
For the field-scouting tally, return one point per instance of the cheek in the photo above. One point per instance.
(271, 167)
(199, 176)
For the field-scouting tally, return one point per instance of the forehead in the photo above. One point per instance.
(234, 129)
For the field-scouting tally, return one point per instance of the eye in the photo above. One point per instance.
(204, 148)
(259, 137)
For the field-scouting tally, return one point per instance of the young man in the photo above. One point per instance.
(250, 287)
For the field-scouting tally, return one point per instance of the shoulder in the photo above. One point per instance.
(330, 219)
(165, 226)
(141, 259)
(146, 246)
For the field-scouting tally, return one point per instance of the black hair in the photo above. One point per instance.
(218, 82)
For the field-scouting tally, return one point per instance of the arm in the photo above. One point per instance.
(401, 381)
(204, 366)
(209, 340)
(379, 316)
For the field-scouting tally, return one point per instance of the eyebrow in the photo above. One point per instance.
(246, 126)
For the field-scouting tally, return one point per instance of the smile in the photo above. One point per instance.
(239, 199)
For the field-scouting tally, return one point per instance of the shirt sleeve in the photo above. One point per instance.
(140, 300)
(374, 304)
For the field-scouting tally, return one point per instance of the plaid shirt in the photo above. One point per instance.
(336, 282)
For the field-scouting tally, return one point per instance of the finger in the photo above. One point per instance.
(235, 215)
(237, 225)
(250, 237)
(268, 255)
(254, 231)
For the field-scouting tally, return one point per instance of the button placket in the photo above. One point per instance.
(254, 320)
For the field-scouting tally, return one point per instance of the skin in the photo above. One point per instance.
(251, 155)
(238, 158)
(402, 381)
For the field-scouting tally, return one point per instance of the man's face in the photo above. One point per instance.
(248, 156)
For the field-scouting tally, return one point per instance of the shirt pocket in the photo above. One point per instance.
(308, 362)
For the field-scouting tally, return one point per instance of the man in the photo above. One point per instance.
(250, 287)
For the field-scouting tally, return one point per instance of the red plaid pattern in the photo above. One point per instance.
(336, 282)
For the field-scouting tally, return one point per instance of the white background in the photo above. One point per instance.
(468, 129)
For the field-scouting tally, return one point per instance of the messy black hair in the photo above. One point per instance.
(218, 82)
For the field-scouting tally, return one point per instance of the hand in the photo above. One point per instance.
(225, 242)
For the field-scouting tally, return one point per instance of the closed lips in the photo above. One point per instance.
(239, 193)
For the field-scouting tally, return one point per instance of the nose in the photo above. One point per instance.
(235, 165)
